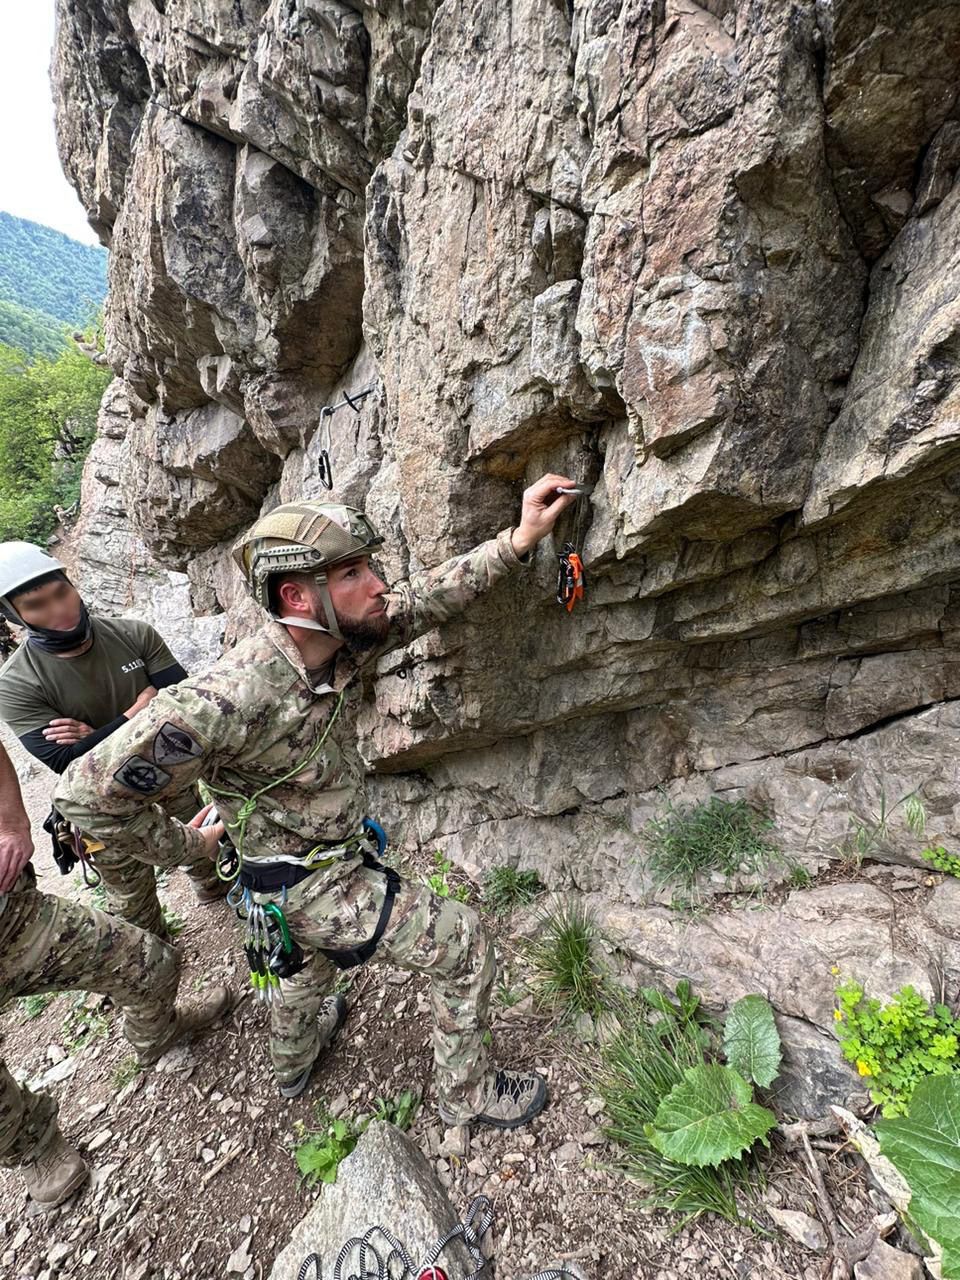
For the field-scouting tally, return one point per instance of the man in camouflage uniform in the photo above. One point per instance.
(50, 944)
(271, 730)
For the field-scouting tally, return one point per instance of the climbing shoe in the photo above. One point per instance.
(55, 1174)
(332, 1016)
(187, 1021)
(516, 1097)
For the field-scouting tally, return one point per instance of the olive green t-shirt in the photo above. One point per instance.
(96, 687)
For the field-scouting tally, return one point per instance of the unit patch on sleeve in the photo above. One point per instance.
(142, 776)
(174, 745)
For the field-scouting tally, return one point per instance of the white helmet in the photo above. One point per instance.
(20, 563)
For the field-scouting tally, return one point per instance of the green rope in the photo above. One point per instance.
(248, 807)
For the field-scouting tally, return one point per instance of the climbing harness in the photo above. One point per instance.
(391, 1261)
(229, 862)
(571, 579)
(324, 465)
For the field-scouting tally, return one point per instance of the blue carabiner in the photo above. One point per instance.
(378, 833)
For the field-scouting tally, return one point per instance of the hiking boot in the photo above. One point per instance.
(516, 1097)
(208, 891)
(187, 1021)
(332, 1016)
(55, 1174)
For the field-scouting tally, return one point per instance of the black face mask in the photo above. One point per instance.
(46, 638)
(51, 641)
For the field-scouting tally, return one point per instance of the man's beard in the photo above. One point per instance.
(368, 633)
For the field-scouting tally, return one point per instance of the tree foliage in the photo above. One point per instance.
(48, 415)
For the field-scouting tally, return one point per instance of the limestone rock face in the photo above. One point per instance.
(701, 256)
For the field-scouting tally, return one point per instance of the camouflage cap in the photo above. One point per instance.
(302, 537)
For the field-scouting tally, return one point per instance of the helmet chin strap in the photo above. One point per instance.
(308, 624)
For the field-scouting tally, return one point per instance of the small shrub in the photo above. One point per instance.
(721, 835)
(567, 973)
(505, 888)
(33, 1006)
(438, 882)
(895, 1046)
(940, 860)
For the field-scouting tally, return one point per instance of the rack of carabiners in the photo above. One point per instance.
(271, 952)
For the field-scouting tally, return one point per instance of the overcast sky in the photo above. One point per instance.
(32, 184)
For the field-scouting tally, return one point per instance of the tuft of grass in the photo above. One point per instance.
(636, 1070)
(400, 1111)
(126, 1071)
(567, 972)
(505, 888)
(800, 877)
(33, 1006)
(726, 836)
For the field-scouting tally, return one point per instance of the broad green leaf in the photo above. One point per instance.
(925, 1147)
(709, 1117)
(751, 1040)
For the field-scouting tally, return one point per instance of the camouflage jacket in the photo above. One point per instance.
(249, 720)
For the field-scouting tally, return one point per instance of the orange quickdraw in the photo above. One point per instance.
(570, 579)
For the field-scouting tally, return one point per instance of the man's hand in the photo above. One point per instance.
(65, 732)
(541, 507)
(16, 850)
(211, 835)
(148, 694)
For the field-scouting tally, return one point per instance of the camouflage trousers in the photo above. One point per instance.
(130, 882)
(50, 944)
(130, 885)
(426, 934)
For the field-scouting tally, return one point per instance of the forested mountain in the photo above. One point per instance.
(48, 283)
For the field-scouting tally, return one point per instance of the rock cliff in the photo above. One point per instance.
(706, 257)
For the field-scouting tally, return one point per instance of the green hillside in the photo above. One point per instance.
(47, 281)
(34, 332)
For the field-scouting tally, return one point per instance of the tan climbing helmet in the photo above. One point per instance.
(303, 537)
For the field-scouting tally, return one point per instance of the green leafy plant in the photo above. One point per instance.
(567, 972)
(709, 1117)
(800, 877)
(318, 1153)
(722, 836)
(173, 922)
(440, 884)
(400, 1111)
(659, 1041)
(126, 1071)
(896, 1045)
(938, 858)
(505, 888)
(924, 1145)
(751, 1042)
(33, 1006)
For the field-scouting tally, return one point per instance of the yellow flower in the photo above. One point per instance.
(834, 969)
(837, 1015)
(863, 1068)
